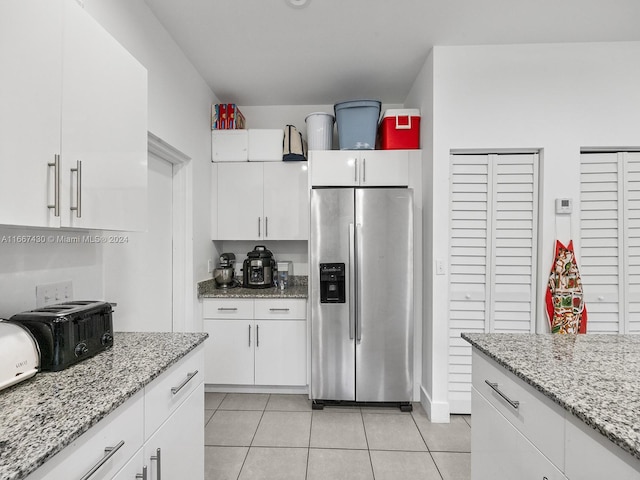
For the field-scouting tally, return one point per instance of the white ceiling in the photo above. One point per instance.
(264, 52)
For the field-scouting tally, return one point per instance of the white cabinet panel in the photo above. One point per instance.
(163, 396)
(262, 201)
(227, 308)
(281, 352)
(340, 168)
(229, 351)
(501, 452)
(240, 192)
(30, 102)
(286, 201)
(280, 309)
(94, 121)
(177, 445)
(592, 456)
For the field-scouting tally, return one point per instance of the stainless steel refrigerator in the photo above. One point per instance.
(361, 294)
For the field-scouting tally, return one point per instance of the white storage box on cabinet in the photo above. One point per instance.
(265, 145)
(229, 145)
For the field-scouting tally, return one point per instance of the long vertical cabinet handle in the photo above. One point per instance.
(266, 227)
(56, 185)
(157, 457)
(257, 336)
(355, 172)
(364, 170)
(78, 170)
(358, 239)
(249, 334)
(143, 475)
(259, 229)
(352, 282)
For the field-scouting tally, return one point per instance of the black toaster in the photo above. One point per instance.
(69, 332)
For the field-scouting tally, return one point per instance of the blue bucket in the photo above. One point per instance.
(357, 123)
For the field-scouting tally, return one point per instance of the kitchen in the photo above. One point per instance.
(547, 102)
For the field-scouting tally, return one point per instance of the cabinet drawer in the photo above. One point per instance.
(123, 426)
(537, 417)
(227, 308)
(281, 309)
(167, 392)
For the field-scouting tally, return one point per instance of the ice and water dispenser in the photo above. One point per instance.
(332, 283)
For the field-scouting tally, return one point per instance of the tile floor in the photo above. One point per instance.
(279, 437)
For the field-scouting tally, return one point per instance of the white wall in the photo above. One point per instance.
(555, 97)
(179, 113)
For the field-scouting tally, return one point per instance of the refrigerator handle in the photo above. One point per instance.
(352, 288)
(358, 293)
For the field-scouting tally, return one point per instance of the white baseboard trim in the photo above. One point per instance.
(209, 388)
(437, 412)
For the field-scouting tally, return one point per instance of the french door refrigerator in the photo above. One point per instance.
(361, 294)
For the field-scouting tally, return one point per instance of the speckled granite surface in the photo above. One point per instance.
(595, 377)
(42, 415)
(298, 289)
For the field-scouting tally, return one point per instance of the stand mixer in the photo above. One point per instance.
(224, 275)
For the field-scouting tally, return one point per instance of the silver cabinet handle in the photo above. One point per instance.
(108, 453)
(355, 171)
(158, 458)
(56, 185)
(364, 170)
(190, 375)
(266, 227)
(514, 403)
(249, 334)
(257, 336)
(142, 475)
(227, 309)
(78, 207)
(278, 309)
(259, 227)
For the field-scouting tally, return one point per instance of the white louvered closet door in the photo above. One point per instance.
(610, 240)
(492, 270)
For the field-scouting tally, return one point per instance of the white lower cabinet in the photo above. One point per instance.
(166, 415)
(519, 433)
(500, 451)
(256, 342)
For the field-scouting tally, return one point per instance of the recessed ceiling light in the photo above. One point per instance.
(297, 3)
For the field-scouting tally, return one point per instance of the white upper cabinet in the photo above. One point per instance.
(341, 168)
(261, 201)
(73, 112)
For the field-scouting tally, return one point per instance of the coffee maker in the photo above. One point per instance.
(258, 268)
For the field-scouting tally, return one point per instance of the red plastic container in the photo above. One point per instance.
(400, 129)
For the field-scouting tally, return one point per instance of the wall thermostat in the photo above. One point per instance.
(564, 206)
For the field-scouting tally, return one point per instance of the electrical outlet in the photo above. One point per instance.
(210, 266)
(54, 293)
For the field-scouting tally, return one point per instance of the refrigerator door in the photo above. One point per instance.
(332, 323)
(384, 290)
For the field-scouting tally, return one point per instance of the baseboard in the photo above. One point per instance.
(437, 412)
(255, 389)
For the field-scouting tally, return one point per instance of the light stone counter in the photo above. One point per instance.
(42, 415)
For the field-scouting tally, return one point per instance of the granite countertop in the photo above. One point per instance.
(42, 415)
(595, 377)
(298, 288)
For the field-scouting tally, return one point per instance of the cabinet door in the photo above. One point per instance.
(384, 168)
(333, 168)
(281, 353)
(500, 451)
(240, 193)
(104, 129)
(178, 445)
(229, 352)
(30, 100)
(286, 201)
